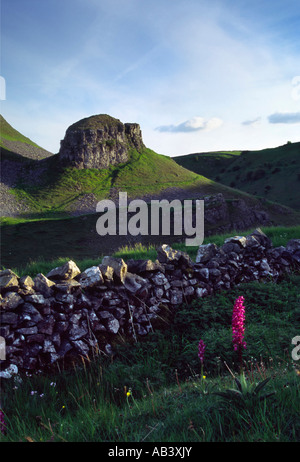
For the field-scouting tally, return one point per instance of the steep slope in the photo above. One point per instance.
(13, 144)
(17, 153)
(270, 173)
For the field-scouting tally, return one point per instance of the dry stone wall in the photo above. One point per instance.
(68, 312)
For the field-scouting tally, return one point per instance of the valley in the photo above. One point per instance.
(51, 198)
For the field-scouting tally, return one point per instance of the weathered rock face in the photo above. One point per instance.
(70, 313)
(99, 141)
(233, 213)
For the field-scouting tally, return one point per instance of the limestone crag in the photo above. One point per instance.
(231, 214)
(69, 313)
(99, 141)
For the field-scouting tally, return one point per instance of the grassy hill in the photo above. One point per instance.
(271, 173)
(48, 188)
(38, 180)
(53, 206)
(13, 144)
(7, 132)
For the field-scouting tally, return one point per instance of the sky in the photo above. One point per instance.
(197, 75)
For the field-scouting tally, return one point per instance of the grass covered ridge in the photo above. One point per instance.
(7, 132)
(265, 172)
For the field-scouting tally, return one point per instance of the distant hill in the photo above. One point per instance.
(13, 143)
(270, 173)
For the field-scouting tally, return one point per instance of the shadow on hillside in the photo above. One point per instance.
(18, 170)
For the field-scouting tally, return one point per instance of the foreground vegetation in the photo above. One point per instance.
(156, 391)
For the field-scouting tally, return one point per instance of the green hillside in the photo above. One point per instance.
(13, 144)
(44, 188)
(271, 173)
(50, 187)
(7, 132)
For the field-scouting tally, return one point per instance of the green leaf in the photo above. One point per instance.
(238, 383)
(267, 395)
(261, 385)
(230, 394)
(243, 384)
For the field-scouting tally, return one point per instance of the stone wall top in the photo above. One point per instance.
(69, 313)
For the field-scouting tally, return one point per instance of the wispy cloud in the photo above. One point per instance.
(192, 125)
(284, 118)
(253, 122)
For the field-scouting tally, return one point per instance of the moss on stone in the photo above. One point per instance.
(96, 122)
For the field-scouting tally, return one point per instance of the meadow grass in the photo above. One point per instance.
(279, 235)
(154, 390)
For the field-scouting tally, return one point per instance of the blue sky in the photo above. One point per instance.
(197, 75)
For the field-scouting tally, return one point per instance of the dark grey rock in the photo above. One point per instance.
(8, 281)
(8, 317)
(28, 330)
(144, 266)
(91, 277)
(11, 301)
(67, 271)
(165, 254)
(81, 347)
(262, 239)
(38, 299)
(293, 245)
(47, 325)
(26, 283)
(48, 347)
(206, 252)
(99, 142)
(43, 285)
(77, 332)
(119, 266)
(65, 347)
(134, 282)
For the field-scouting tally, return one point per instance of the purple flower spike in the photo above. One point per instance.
(2, 423)
(238, 329)
(201, 349)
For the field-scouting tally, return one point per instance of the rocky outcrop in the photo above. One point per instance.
(99, 141)
(68, 313)
(233, 213)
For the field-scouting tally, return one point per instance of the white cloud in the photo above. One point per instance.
(192, 125)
